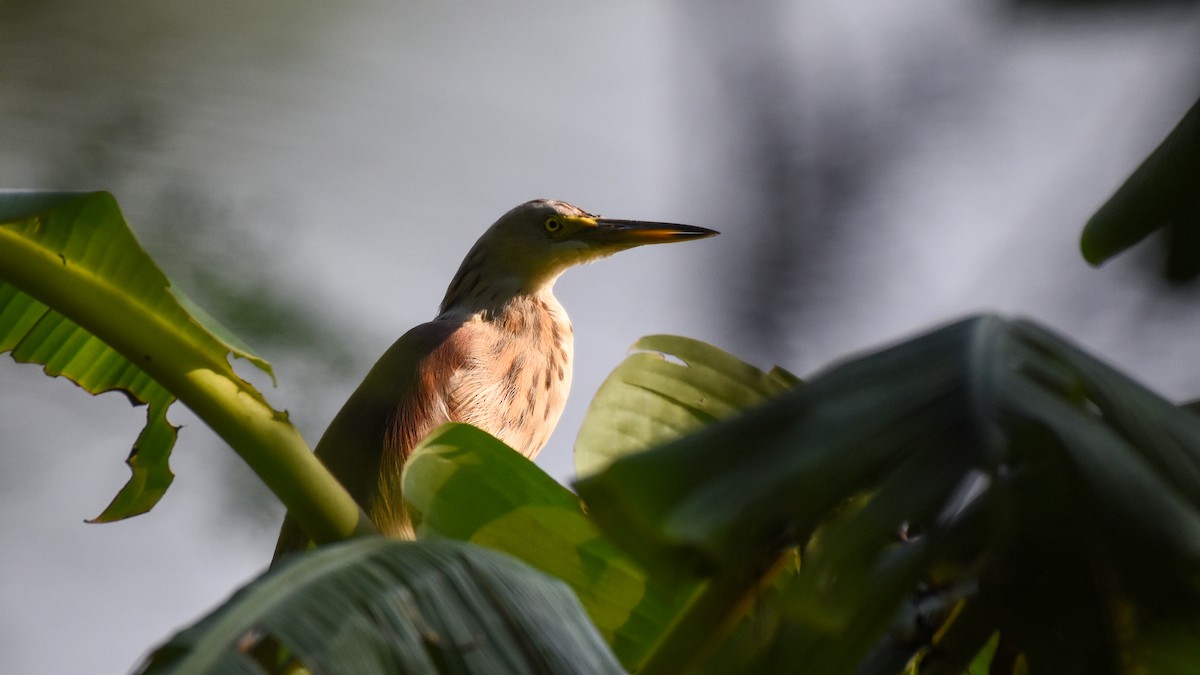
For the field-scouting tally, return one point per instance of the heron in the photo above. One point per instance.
(498, 355)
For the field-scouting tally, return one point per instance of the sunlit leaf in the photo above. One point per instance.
(67, 259)
(465, 484)
(669, 386)
(375, 605)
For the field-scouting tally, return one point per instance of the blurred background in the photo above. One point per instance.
(313, 174)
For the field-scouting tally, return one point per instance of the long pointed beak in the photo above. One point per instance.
(614, 232)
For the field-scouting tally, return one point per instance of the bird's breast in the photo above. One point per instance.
(516, 382)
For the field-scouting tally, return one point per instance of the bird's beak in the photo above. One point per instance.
(613, 232)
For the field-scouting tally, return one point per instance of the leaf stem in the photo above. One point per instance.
(236, 411)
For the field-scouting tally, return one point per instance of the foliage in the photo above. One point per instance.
(650, 399)
(79, 295)
(75, 252)
(990, 464)
(986, 497)
(1163, 193)
(379, 605)
(466, 485)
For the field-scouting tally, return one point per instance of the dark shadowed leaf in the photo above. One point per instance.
(990, 470)
(375, 605)
(1164, 192)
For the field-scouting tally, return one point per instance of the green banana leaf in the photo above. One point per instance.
(375, 605)
(650, 399)
(464, 484)
(68, 262)
(1164, 192)
(991, 465)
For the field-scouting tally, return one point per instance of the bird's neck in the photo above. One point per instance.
(486, 282)
(476, 290)
(507, 306)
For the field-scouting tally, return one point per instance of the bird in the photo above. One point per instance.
(498, 355)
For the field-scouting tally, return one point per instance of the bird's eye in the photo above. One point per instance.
(553, 224)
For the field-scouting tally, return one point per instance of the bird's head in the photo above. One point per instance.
(531, 245)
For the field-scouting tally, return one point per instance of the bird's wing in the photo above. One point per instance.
(401, 400)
